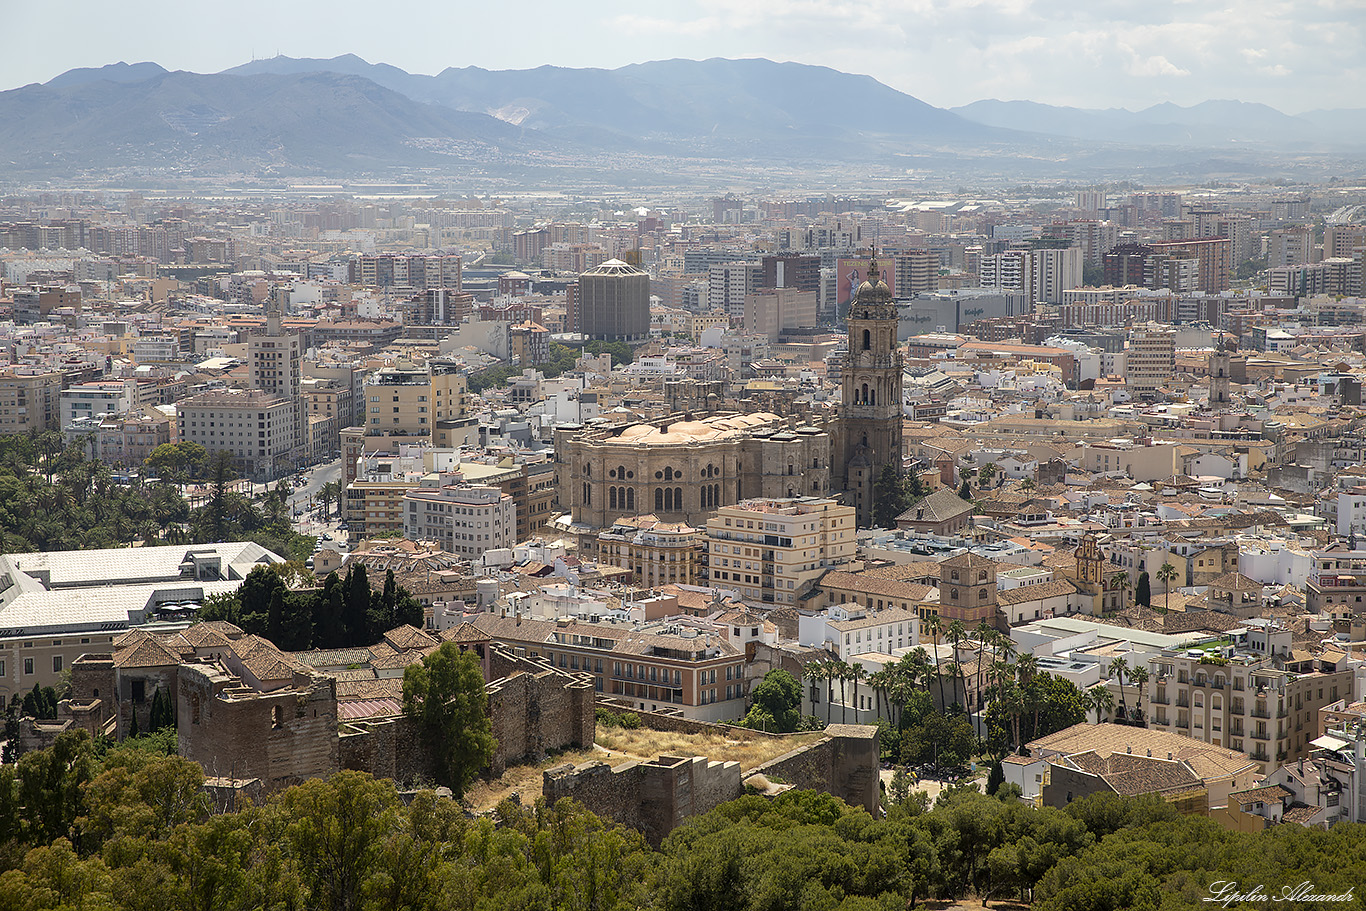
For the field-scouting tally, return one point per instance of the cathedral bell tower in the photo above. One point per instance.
(1219, 369)
(871, 410)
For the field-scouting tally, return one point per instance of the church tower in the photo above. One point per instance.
(1219, 365)
(870, 410)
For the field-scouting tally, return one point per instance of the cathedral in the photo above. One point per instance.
(868, 436)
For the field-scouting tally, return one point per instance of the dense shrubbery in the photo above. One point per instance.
(343, 613)
(133, 830)
(53, 497)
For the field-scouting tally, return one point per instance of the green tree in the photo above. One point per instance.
(1143, 593)
(889, 497)
(180, 462)
(965, 491)
(776, 701)
(445, 696)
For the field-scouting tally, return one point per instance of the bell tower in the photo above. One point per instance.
(870, 408)
(1219, 367)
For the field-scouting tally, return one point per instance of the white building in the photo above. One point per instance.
(89, 400)
(464, 520)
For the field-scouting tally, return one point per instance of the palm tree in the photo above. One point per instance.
(829, 671)
(1139, 677)
(811, 670)
(1118, 668)
(985, 636)
(1027, 485)
(1166, 575)
(1100, 699)
(857, 673)
(936, 625)
(878, 681)
(1121, 582)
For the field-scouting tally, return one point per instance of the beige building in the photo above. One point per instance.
(1151, 361)
(259, 430)
(29, 400)
(1249, 692)
(768, 311)
(658, 553)
(408, 402)
(464, 519)
(770, 550)
(684, 470)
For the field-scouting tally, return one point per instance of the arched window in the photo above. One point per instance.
(659, 499)
(1199, 700)
(587, 494)
(678, 498)
(668, 474)
(630, 498)
(982, 595)
(791, 469)
(982, 576)
(612, 497)
(587, 470)
(867, 340)
(872, 396)
(953, 594)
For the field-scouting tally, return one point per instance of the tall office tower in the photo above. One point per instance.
(729, 283)
(870, 410)
(613, 303)
(917, 271)
(1291, 247)
(1152, 358)
(276, 370)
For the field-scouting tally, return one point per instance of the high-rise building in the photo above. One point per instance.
(917, 272)
(792, 270)
(870, 410)
(613, 303)
(1291, 246)
(729, 283)
(276, 370)
(1151, 362)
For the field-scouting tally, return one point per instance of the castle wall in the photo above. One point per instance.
(844, 763)
(282, 737)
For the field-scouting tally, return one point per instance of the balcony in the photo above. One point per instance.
(1161, 699)
(1183, 723)
(1183, 701)
(1260, 735)
(1261, 713)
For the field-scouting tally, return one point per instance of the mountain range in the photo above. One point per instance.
(344, 115)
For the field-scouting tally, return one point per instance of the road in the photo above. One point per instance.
(299, 500)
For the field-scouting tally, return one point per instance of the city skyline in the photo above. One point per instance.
(1116, 54)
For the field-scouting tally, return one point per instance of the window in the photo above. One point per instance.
(277, 718)
(56, 664)
(28, 665)
(139, 691)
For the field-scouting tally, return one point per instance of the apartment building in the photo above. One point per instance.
(1337, 580)
(259, 430)
(29, 400)
(696, 669)
(1247, 691)
(408, 401)
(769, 550)
(464, 519)
(1151, 361)
(91, 400)
(658, 553)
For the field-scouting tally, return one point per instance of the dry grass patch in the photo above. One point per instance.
(732, 746)
(526, 780)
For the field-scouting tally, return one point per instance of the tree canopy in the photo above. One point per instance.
(445, 696)
(133, 830)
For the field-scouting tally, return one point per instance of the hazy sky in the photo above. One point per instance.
(1295, 55)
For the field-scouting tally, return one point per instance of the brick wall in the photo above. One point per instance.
(387, 748)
